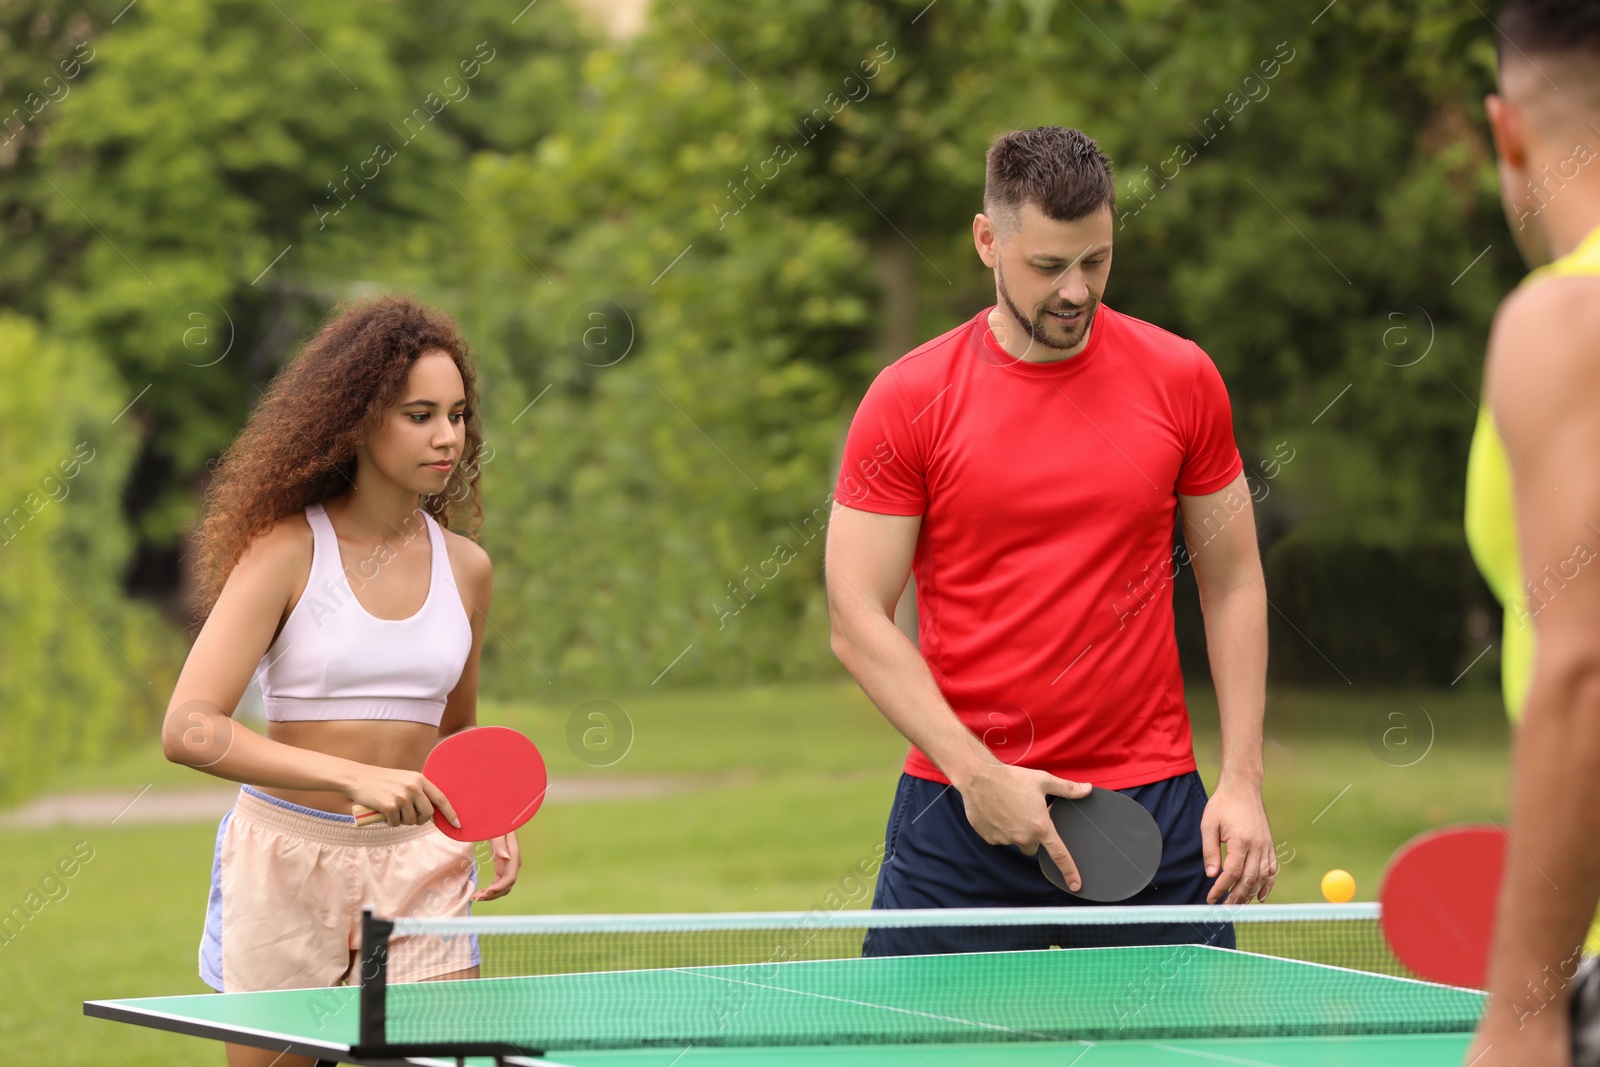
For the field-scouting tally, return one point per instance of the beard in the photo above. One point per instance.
(1044, 329)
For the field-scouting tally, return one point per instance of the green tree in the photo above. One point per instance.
(46, 53)
(81, 668)
(681, 258)
(768, 266)
(225, 201)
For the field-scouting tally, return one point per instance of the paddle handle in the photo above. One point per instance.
(365, 816)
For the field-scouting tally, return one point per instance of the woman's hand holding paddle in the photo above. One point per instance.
(397, 797)
(495, 776)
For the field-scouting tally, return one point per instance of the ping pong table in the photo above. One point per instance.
(1151, 1004)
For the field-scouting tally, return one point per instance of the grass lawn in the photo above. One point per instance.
(777, 794)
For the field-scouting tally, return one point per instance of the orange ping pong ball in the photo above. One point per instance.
(1338, 887)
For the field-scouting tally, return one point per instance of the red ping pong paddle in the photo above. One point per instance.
(1439, 896)
(493, 776)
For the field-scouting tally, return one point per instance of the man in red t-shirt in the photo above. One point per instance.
(1025, 468)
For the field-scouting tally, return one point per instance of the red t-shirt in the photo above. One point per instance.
(1044, 562)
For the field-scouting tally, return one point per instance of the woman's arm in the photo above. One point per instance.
(475, 581)
(199, 730)
(475, 576)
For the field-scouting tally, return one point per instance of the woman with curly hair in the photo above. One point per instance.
(326, 567)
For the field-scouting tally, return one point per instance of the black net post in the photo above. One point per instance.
(374, 979)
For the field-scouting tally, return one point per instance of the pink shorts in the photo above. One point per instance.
(288, 885)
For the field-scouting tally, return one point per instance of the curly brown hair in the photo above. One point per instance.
(298, 446)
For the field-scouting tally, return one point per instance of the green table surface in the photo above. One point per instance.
(1188, 1004)
(1403, 1050)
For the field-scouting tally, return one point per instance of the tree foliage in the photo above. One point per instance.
(82, 668)
(681, 257)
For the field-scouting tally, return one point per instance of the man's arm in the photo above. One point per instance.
(1542, 384)
(868, 564)
(1220, 530)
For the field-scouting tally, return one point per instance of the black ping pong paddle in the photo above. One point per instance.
(1113, 840)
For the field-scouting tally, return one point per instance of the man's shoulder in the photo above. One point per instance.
(1135, 331)
(926, 371)
(1562, 305)
(1544, 349)
(937, 355)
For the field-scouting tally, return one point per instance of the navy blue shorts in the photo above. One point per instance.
(933, 858)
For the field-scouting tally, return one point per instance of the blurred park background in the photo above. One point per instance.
(682, 237)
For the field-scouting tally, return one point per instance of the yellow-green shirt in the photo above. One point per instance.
(1491, 514)
(1491, 523)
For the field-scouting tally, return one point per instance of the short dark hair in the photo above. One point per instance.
(1058, 169)
(1549, 27)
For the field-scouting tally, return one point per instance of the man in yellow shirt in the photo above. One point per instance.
(1533, 520)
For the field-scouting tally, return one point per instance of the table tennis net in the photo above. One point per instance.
(799, 978)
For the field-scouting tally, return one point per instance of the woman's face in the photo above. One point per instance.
(421, 439)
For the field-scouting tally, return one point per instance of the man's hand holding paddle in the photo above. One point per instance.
(1008, 806)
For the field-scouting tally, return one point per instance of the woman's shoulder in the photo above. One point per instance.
(466, 555)
(474, 575)
(286, 540)
(275, 565)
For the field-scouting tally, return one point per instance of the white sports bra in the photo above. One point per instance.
(334, 660)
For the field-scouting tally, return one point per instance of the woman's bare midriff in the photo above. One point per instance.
(382, 743)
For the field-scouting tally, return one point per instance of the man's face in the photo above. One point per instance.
(1049, 275)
